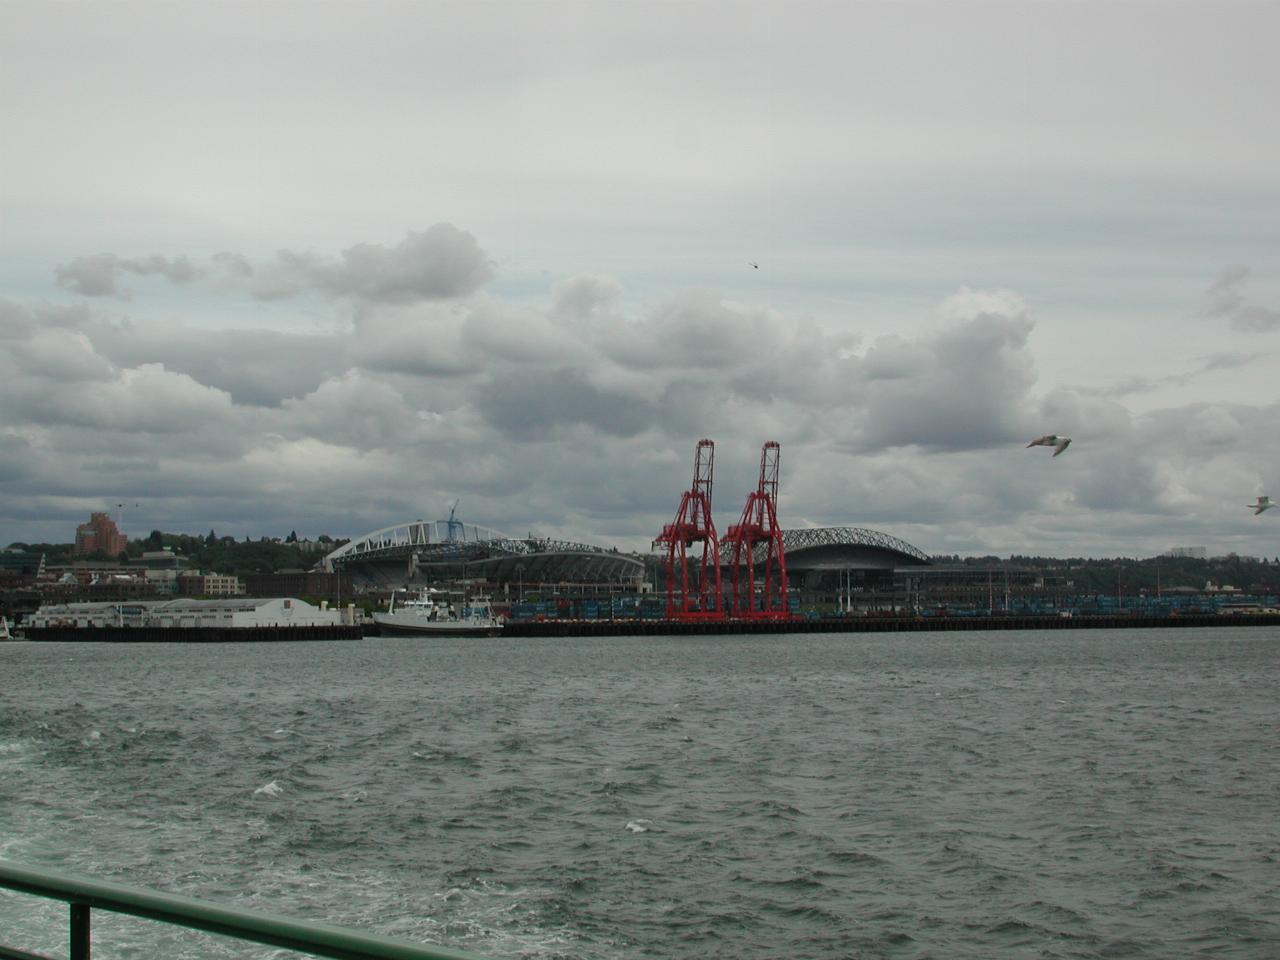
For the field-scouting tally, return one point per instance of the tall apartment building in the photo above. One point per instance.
(100, 533)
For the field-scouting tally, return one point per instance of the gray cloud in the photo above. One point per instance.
(583, 299)
(91, 276)
(965, 388)
(355, 410)
(146, 399)
(1209, 364)
(532, 405)
(424, 340)
(577, 418)
(406, 368)
(16, 322)
(441, 262)
(1228, 361)
(1226, 301)
(254, 367)
(695, 329)
(97, 276)
(63, 356)
(19, 321)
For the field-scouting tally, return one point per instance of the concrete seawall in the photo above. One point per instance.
(625, 628)
(620, 628)
(191, 634)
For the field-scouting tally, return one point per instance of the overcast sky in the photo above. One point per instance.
(329, 267)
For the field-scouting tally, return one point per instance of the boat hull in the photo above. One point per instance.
(394, 626)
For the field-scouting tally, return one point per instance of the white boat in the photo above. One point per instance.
(422, 616)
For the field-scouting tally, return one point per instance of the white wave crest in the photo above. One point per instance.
(272, 789)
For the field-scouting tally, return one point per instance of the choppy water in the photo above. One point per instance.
(1081, 794)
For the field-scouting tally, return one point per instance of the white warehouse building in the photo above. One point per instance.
(231, 612)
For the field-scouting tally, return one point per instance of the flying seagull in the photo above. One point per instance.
(1264, 503)
(1051, 440)
(752, 263)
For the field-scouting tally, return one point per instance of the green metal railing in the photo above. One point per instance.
(317, 939)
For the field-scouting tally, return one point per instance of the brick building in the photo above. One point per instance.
(100, 533)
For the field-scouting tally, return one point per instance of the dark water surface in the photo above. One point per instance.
(1057, 794)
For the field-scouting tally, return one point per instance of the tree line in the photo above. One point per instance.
(1130, 575)
(209, 553)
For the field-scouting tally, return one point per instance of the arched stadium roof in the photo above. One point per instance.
(839, 548)
(471, 550)
(833, 548)
(484, 552)
(404, 538)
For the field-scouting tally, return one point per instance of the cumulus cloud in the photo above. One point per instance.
(498, 332)
(1226, 301)
(147, 399)
(19, 321)
(354, 410)
(694, 330)
(582, 299)
(63, 356)
(965, 387)
(254, 367)
(439, 263)
(423, 340)
(577, 417)
(531, 405)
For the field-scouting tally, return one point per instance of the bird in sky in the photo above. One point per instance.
(1051, 440)
(752, 263)
(1264, 503)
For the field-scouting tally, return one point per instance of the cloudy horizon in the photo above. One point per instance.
(292, 267)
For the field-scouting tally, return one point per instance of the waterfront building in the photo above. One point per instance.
(185, 613)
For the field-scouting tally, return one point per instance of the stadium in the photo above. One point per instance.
(828, 567)
(450, 550)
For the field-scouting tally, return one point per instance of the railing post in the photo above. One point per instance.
(79, 931)
(315, 939)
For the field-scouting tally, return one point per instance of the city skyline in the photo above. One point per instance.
(313, 540)
(332, 268)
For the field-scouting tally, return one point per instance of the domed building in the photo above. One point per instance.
(829, 568)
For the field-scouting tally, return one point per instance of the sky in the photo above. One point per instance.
(330, 267)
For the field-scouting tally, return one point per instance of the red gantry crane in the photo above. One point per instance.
(694, 594)
(759, 525)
